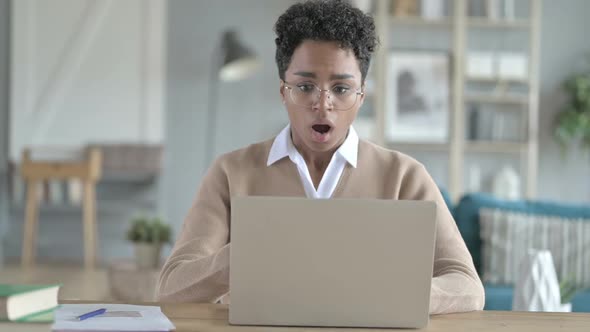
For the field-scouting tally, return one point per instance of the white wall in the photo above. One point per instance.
(248, 111)
(86, 71)
(4, 88)
(4, 82)
(564, 44)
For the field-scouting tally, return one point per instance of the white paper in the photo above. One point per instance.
(118, 317)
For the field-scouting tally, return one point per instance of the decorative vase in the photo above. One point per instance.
(147, 255)
(537, 288)
(507, 184)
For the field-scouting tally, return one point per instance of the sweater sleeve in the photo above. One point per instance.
(198, 267)
(456, 286)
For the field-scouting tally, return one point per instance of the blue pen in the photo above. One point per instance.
(92, 314)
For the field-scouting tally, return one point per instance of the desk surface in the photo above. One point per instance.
(210, 317)
(213, 317)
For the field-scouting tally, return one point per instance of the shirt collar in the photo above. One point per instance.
(280, 146)
(350, 148)
(283, 147)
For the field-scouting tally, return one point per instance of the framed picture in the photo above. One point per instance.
(418, 101)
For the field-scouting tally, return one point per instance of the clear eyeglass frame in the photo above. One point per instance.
(292, 87)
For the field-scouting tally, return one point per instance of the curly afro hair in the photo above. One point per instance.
(325, 20)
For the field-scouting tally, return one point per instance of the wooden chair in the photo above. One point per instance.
(35, 173)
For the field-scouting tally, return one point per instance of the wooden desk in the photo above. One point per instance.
(213, 317)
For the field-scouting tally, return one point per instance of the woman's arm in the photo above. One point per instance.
(198, 267)
(456, 287)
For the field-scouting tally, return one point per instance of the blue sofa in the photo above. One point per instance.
(466, 213)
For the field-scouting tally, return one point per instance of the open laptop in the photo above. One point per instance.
(337, 262)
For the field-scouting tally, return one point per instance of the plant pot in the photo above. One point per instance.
(147, 255)
(565, 307)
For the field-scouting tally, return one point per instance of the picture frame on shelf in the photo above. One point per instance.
(419, 101)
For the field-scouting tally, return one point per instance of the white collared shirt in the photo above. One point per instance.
(347, 153)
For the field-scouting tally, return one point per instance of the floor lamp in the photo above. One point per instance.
(232, 61)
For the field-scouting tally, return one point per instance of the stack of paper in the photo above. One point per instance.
(118, 317)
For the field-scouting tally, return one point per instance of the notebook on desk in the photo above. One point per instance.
(20, 303)
(337, 262)
(118, 317)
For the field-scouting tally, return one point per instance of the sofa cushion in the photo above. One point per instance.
(508, 236)
(498, 297)
(466, 214)
(581, 302)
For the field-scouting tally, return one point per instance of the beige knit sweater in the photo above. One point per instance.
(198, 267)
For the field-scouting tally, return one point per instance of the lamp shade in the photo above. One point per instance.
(238, 61)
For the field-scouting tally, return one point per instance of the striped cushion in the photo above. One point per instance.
(507, 236)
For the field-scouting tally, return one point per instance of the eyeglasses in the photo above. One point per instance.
(342, 96)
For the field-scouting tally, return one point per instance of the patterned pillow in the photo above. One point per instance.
(507, 236)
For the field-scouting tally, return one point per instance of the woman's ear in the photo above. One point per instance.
(282, 91)
(363, 95)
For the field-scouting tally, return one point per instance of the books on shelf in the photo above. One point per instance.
(26, 303)
(494, 125)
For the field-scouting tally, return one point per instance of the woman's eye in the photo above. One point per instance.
(306, 88)
(340, 90)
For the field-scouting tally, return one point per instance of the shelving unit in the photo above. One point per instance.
(501, 24)
(513, 99)
(496, 81)
(417, 21)
(460, 25)
(495, 147)
(428, 147)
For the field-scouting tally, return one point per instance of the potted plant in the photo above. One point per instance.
(148, 236)
(573, 122)
(568, 290)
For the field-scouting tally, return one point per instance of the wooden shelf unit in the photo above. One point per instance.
(460, 24)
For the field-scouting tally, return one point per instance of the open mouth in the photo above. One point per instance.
(321, 133)
(321, 128)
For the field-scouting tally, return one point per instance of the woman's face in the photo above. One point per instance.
(321, 127)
